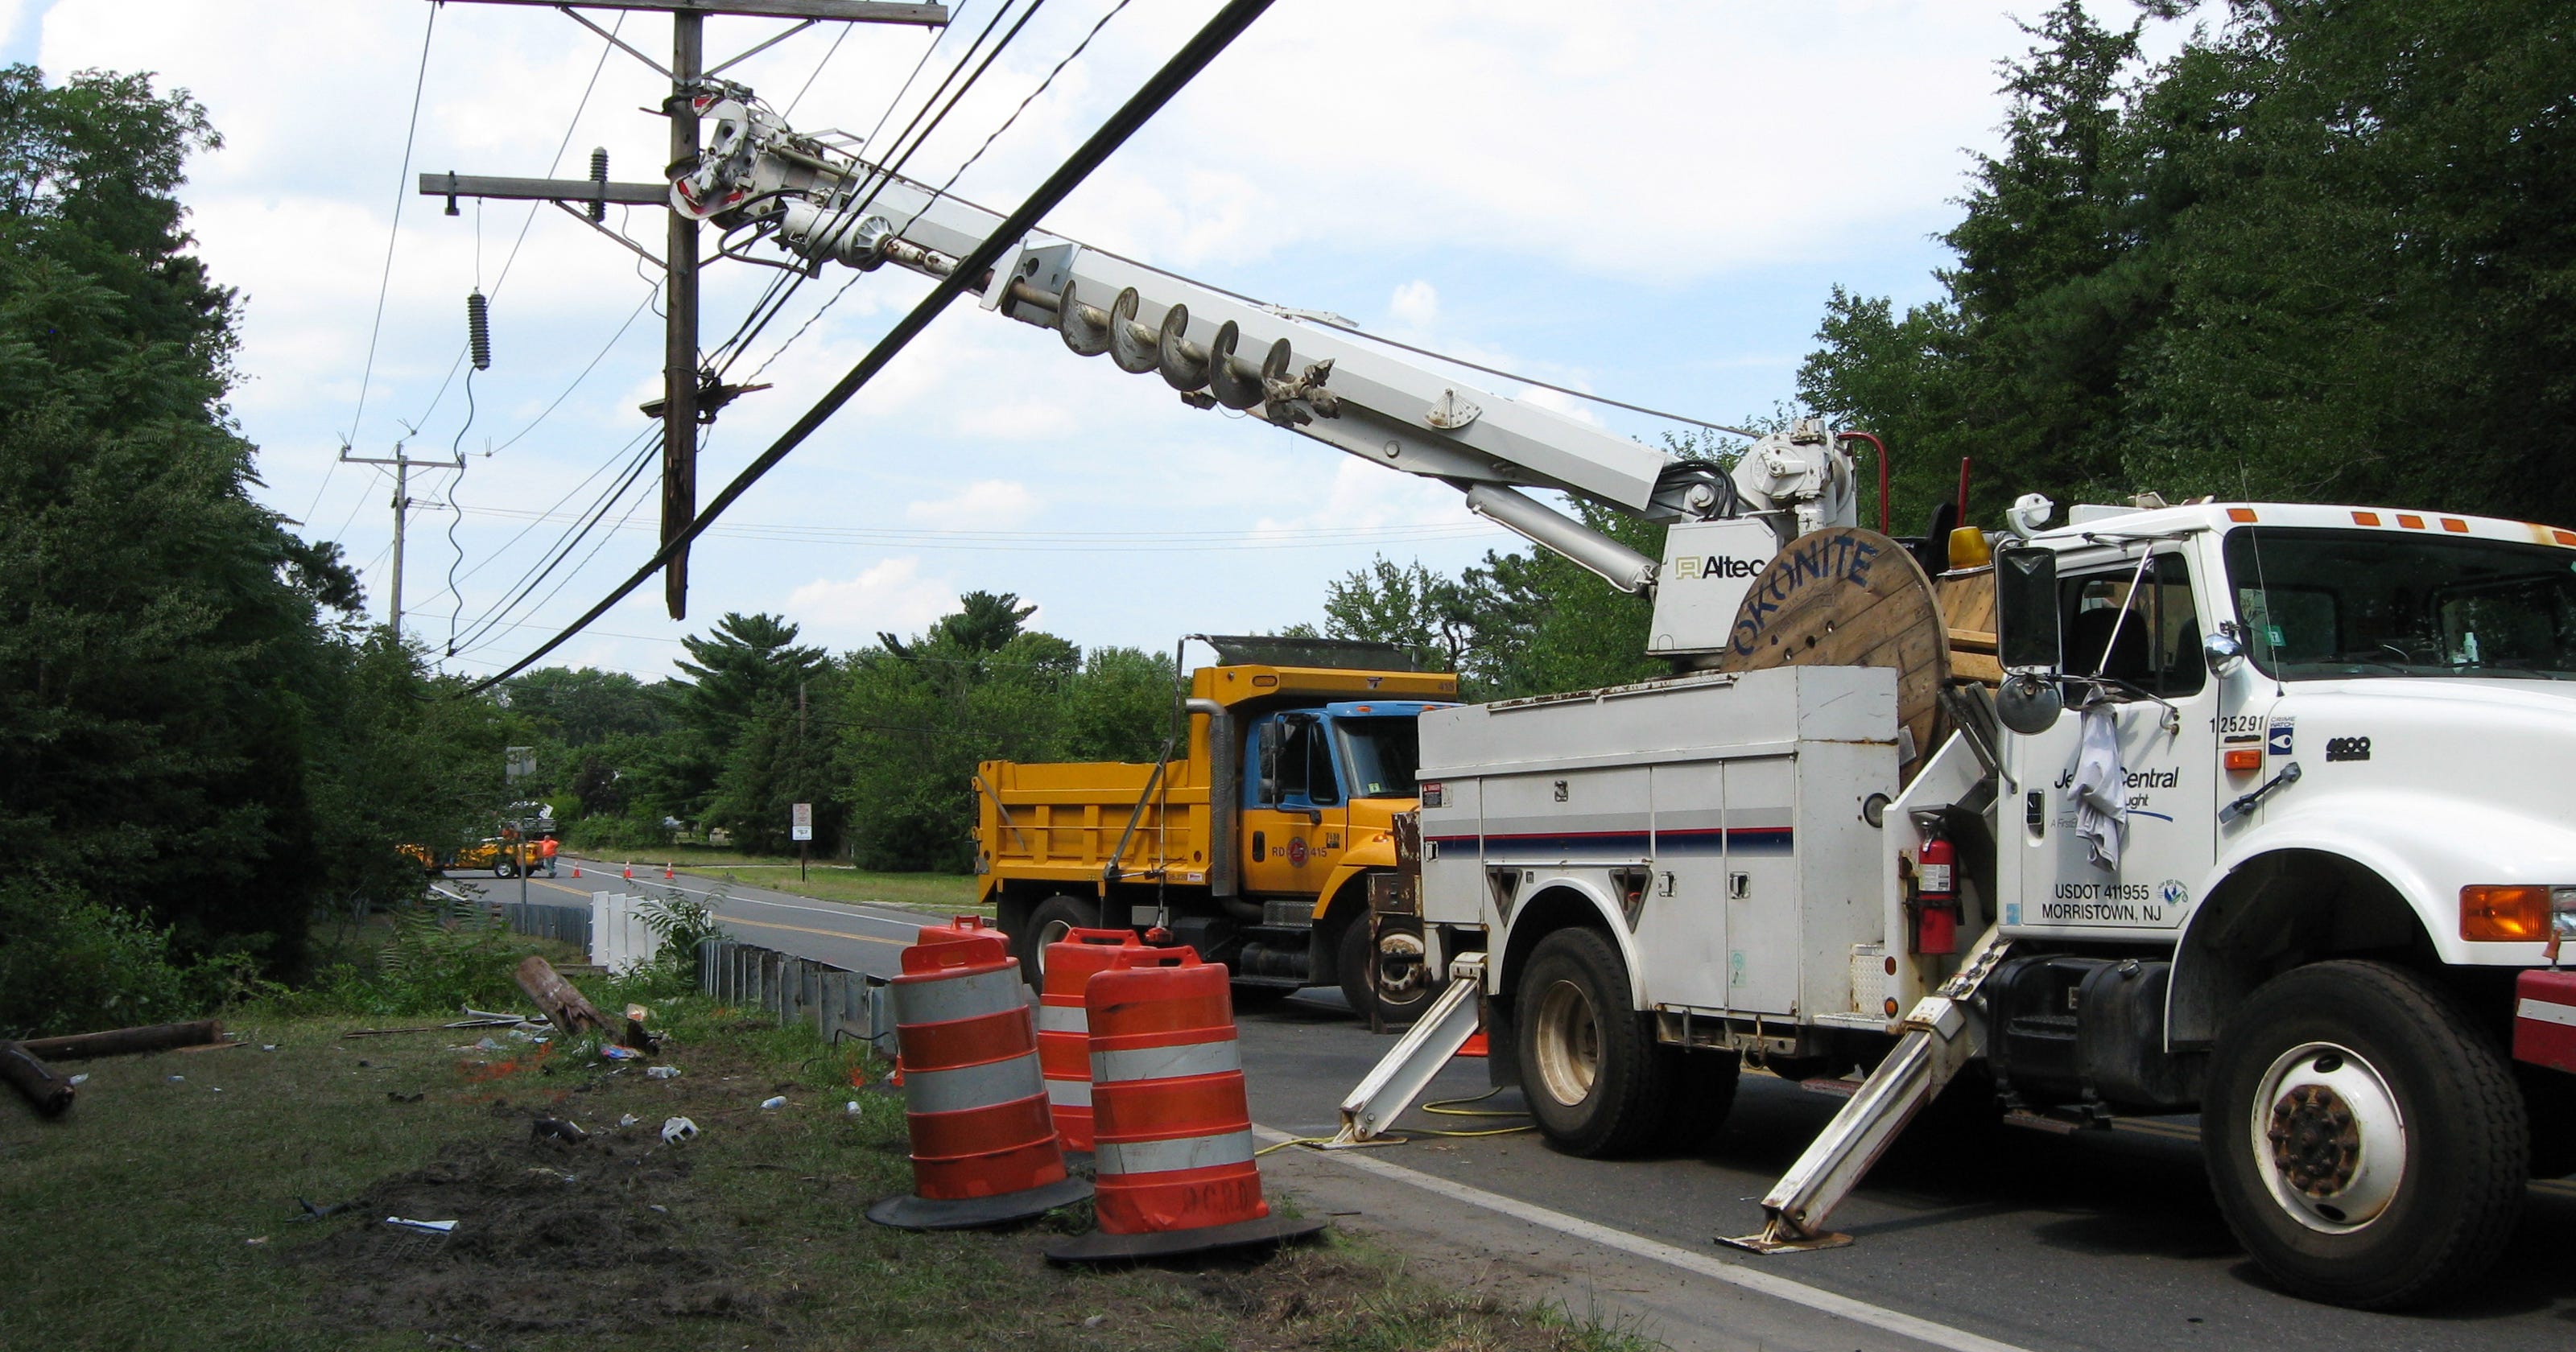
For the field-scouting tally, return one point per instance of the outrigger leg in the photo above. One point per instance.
(1941, 1034)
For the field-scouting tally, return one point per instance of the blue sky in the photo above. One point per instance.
(1649, 201)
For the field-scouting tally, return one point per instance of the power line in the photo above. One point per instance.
(857, 206)
(1140, 108)
(384, 282)
(942, 191)
(600, 356)
(1068, 542)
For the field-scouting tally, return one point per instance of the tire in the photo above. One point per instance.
(2400, 1172)
(1047, 923)
(1703, 1093)
(1595, 1080)
(1390, 974)
(502, 868)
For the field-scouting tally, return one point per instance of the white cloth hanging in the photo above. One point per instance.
(2100, 815)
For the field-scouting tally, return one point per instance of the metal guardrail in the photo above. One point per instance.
(837, 1002)
(570, 924)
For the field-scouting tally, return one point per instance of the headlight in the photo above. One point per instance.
(2516, 912)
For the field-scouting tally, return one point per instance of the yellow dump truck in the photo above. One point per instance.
(1256, 847)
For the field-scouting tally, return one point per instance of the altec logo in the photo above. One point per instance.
(1718, 565)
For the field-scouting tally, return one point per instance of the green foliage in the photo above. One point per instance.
(1522, 623)
(434, 957)
(917, 715)
(2321, 253)
(69, 965)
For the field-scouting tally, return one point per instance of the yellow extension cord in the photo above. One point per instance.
(1438, 1107)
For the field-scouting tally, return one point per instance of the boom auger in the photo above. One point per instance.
(810, 195)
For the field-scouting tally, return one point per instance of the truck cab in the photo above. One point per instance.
(1254, 844)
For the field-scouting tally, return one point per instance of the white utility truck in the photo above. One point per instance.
(2256, 810)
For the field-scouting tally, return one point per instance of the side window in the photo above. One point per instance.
(1323, 788)
(1296, 745)
(2149, 637)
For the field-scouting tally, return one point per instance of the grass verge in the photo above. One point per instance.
(924, 891)
(163, 1213)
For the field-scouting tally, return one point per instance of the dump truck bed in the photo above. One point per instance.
(1063, 823)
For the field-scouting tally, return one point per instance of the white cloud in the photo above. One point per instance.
(1415, 305)
(985, 505)
(892, 596)
(1650, 203)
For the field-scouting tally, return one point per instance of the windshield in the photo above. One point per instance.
(2327, 603)
(1381, 754)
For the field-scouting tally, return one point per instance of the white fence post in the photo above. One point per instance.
(602, 934)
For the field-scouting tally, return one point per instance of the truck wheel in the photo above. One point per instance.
(502, 869)
(1052, 919)
(1594, 1078)
(2367, 1143)
(1390, 973)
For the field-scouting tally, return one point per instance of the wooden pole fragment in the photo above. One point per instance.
(47, 1090)
(126, 1041)
(564, 1004)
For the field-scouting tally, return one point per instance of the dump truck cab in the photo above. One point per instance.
(1255, 846)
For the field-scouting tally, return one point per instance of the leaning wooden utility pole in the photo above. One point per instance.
(688, 400)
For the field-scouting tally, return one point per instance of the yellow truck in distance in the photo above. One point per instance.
(1255, 846)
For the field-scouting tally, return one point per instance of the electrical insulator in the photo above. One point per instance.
(478, 329)
(599, 175)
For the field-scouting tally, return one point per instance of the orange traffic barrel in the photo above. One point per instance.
(983, 1147)
(1064, 1034)
(1172, 1138)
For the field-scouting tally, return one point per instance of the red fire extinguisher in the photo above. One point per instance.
(1936, 893)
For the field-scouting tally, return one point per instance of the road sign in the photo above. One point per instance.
(800, 821)
(519, 762)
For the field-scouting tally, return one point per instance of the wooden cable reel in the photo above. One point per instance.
(1849, 597)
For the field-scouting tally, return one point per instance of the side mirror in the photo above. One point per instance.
(2026, 621)
(2223, 649)
(1269, 790)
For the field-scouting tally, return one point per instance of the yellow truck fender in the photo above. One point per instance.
(1372, 853)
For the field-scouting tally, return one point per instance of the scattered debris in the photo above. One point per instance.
(678, 1129)
(414, 1097)
(776, 1101)
(78, 1080)
(212, 1047)
(263, 1239)
(322, 1212)
(662, 1072)
(486, 1045)
(44, 1087)
(182, 1079)
(126, 1041)
(432, 1227)
(852, 1108)
(557, 1129)
(627, 1121)
(1095, 1321)
(614, 1052)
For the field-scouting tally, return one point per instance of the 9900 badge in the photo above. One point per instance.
(2347, 748)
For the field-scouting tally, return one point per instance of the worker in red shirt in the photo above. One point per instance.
(546, 850)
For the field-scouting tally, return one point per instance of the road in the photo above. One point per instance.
(2104, 1240)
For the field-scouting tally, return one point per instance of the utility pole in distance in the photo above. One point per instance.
(402, 511)
(684, 406)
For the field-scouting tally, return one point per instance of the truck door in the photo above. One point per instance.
(1293, 800)
(2141, 628)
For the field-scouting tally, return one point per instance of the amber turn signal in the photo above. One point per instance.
(2516, 913)
(2244, 762)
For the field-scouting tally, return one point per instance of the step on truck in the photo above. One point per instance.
(1255, 844)
(2255, 810)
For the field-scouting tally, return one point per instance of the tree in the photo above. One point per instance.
(1408, 605)
(2323, 252)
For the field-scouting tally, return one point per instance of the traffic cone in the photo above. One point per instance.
(1064, 1034)
(576, 869)
(666, 873)
(1172, 1135)
(630, 870)
(983, 1147)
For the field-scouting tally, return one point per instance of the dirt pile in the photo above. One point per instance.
(550, 1237)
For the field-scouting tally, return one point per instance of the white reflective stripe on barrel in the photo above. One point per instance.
(1162, 1157)
(1063, 1019)
(948, 1091)
(1166, 1063)
(1069, 1093)
(958, 997)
